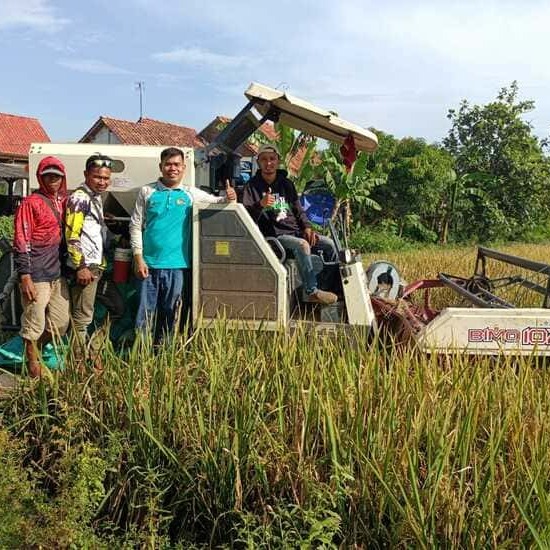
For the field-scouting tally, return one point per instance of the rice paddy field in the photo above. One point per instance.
(236, 439)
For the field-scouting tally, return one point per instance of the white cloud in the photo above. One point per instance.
(396, 65)
(168, 80)
(490, 39)
(36, 14)
(92, 66)
(401, 65)
(82, 40)
(201, 57)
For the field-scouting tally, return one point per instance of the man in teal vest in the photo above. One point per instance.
(160, 236)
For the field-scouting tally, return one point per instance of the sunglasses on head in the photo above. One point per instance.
(100, 162)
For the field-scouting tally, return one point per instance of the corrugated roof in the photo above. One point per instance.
(146, 131)
(18, 132)
(13, 171)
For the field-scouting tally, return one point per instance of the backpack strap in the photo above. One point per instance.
(48, 202)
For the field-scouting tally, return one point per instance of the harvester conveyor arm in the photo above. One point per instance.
(531, 265)
(517, 280)
(492, 301)
(526, 283)
(238, 126)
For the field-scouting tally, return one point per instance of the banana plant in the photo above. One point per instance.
(292, 144)
(353, 187)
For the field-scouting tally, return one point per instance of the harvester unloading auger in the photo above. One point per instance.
(239, 276)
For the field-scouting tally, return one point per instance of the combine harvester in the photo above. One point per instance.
(239, 275)
(248, 281)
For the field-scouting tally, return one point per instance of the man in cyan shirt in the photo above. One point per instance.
(160, 236)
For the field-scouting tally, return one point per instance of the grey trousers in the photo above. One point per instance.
(82, 306)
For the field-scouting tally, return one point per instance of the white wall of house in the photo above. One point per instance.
(105, 136)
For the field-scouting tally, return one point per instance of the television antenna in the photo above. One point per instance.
(140, 86)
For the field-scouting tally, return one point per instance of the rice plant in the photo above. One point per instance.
(250, 439)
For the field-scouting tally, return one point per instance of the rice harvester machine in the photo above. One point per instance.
(249, 281)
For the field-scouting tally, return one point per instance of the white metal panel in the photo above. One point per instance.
(517, 331)
(356, 295)
(301, 115)
(259, 239)
(140, 162)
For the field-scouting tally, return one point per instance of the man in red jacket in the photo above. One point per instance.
(37, 243)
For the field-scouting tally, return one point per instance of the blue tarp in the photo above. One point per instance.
(318, 204)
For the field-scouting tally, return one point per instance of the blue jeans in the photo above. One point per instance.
(160, 294)
(302, 252)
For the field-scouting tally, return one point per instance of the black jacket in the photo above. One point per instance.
(286, 216)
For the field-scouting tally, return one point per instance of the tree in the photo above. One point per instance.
(417, 186)
(498, 157)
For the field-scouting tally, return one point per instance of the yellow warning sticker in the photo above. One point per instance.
(222, 248)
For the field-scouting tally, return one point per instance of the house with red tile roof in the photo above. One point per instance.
(146, 131)
(250, 148)
(16, 135)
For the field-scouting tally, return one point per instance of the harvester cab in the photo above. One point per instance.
(241, 276)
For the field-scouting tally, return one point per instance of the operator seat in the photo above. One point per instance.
(287, 259)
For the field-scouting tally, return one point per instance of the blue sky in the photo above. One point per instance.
(398, 66)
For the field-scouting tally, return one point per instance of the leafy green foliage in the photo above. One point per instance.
(380, 238)
(6, 227)
(490, 182)
(290, 526)
(351, 188)
(20, 504)
(355, 185)
(31, 516)
(417, 187)
(499, 158)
